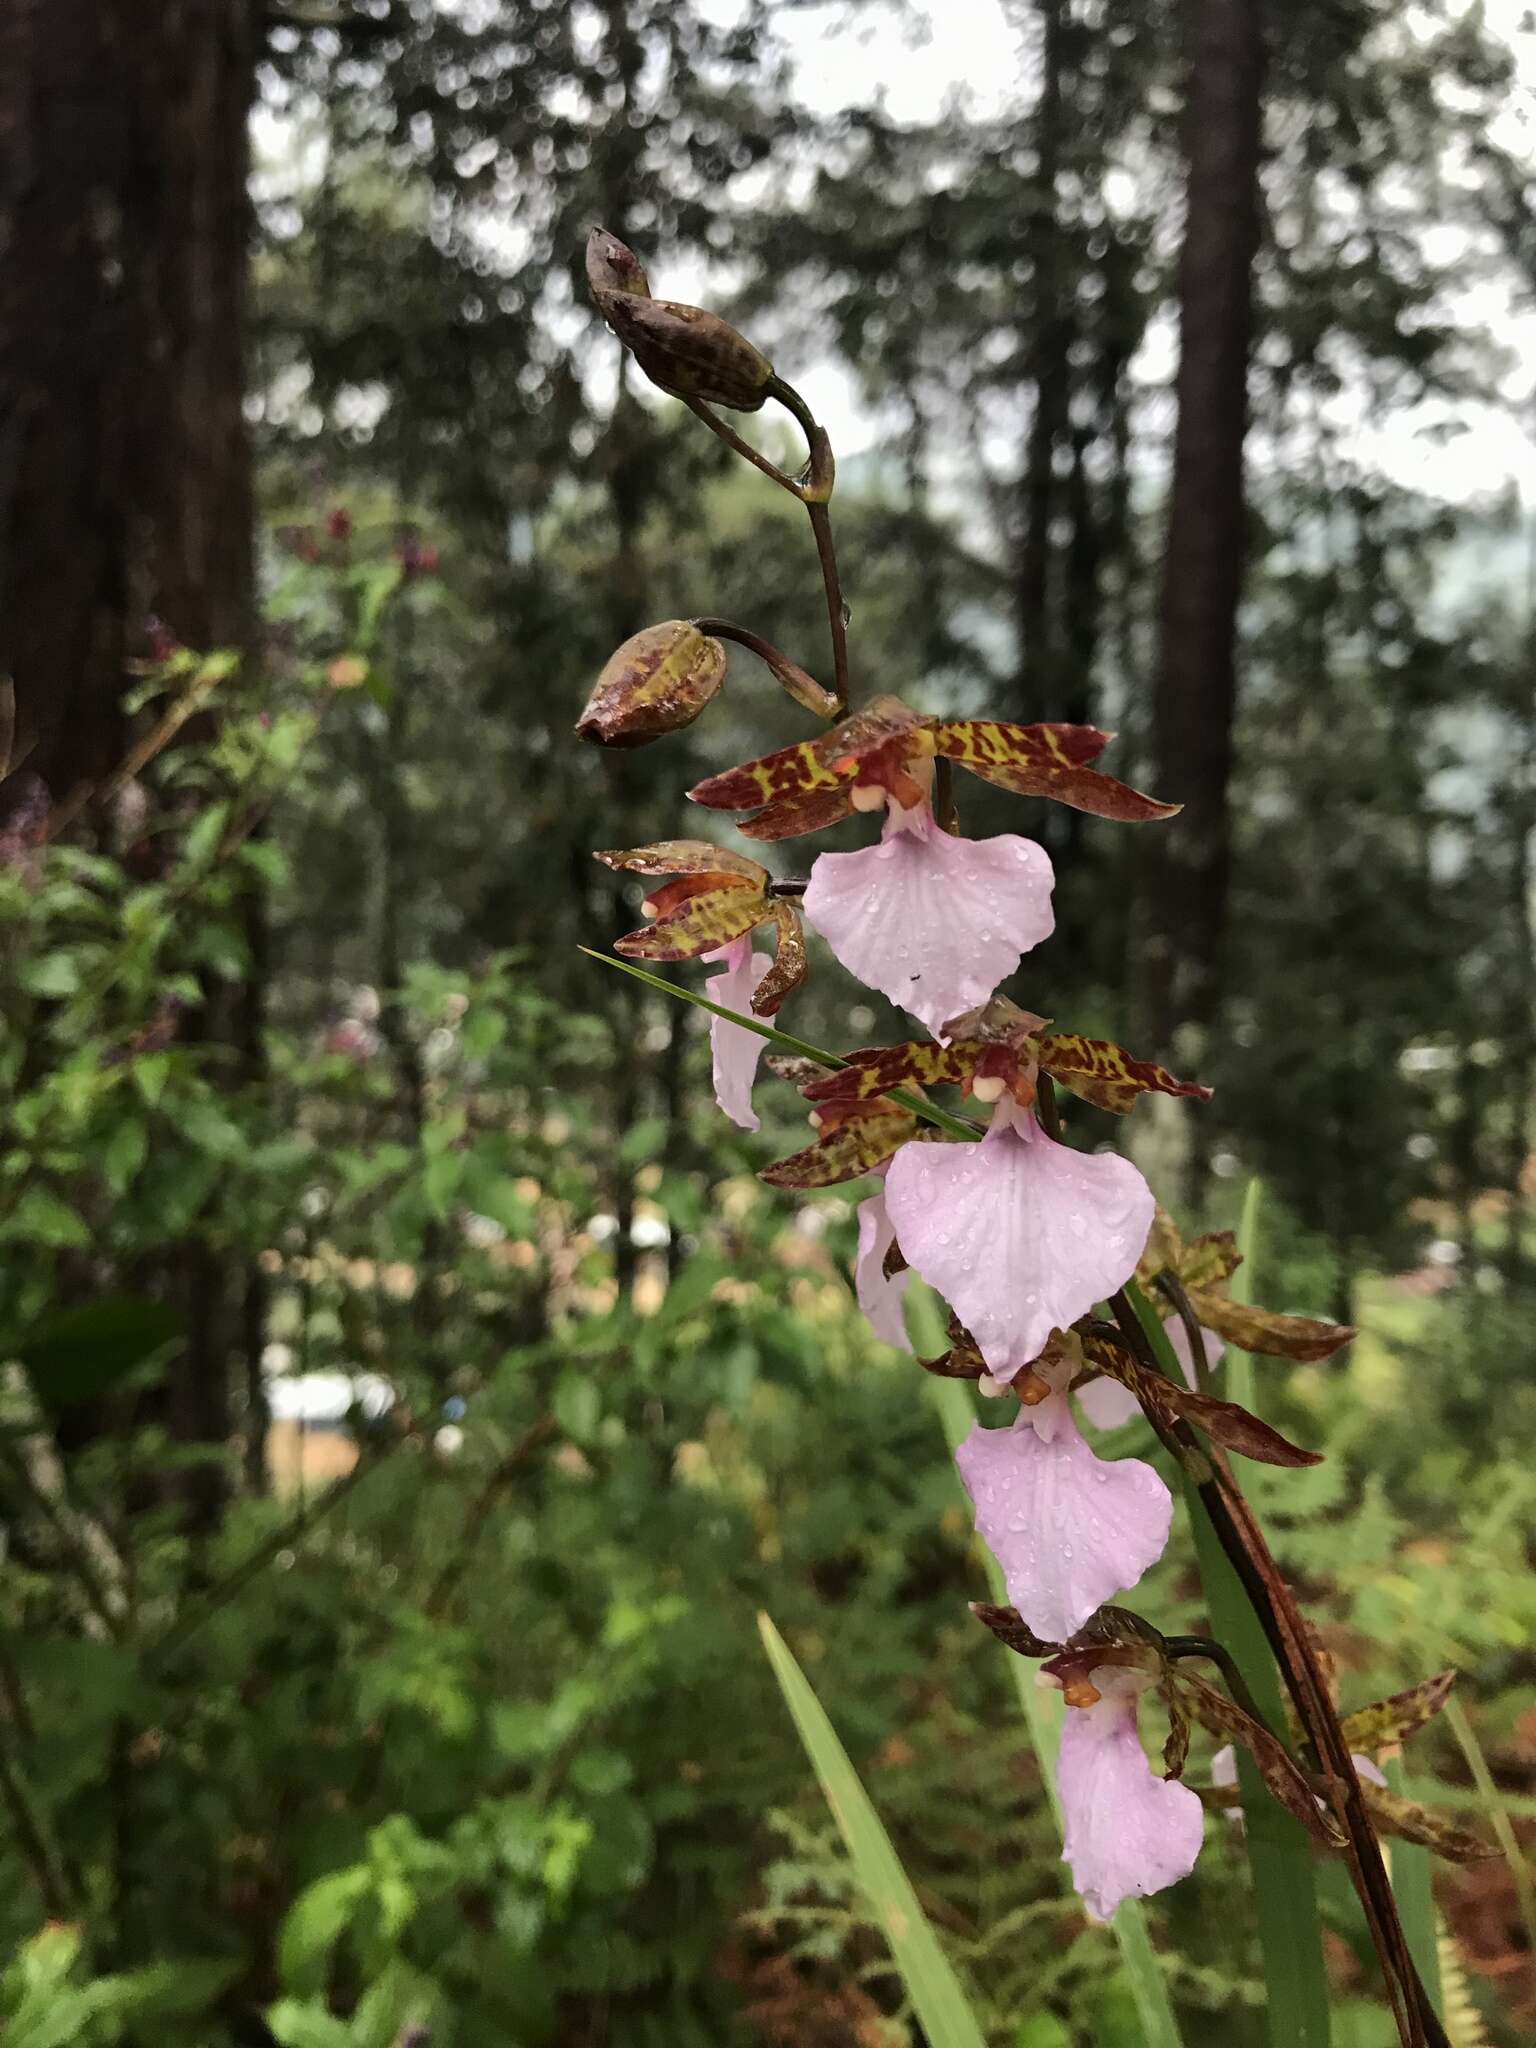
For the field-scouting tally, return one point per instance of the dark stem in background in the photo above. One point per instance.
(1247, 1551)
(813, 488)
(1172, 1287)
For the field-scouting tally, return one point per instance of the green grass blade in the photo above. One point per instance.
(1042, 1708)
(1239, 1364)
(931, 1983)
(1491, 1802)
(956, 1126)
(1279, 1854)
(1413, 1888)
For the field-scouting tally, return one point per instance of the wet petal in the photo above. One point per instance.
(1127, 1832)
(1019, 1234)
(1068, 1529)
(736, 1051)
(1107, 1404)
(879, 1297)
(932, 921)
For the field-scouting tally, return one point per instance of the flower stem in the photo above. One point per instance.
(1274, 1605)
(813, 488)
(797, 683)
(1218, 1654)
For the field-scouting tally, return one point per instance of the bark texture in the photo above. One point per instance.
(1196, 682)
(125, 488)
(125, 472)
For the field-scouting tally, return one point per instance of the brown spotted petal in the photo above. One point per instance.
(1164, 1249)
(1394, 1815)
(695, 914)
(805, 787)
(684, 857)
(1008, 1625)
(1046, 760)
(1258, 1329)
(1106, 1075)
(688, 352)
(1276, 1766)
(789, 965)
(845, 1149)
(1224, 1422)
(962, 1361)
(1393, 1720)
(876, 1069)
(1206, 1261)
(656, 683)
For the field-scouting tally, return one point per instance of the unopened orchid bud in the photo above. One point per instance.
(688, 352)
(656, 683)
(613, 267)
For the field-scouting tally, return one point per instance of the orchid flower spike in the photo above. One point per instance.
(933, 922)
(1126, 1831)
(1020, 1235)
(1068, 1529)
(735, 1050)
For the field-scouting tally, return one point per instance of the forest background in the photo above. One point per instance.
(412, 1395)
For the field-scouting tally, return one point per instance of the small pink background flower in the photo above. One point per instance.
(1127, 1832)
(933, 922)
(735, 1051)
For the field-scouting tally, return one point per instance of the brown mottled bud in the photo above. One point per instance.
(655, 683)
(691, 353)
(611, 267)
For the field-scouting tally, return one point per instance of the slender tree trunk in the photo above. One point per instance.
(125, 484)
(1194, 699)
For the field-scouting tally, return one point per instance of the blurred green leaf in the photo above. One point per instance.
(75, 1354)
(926, 1973)
(315, 1922)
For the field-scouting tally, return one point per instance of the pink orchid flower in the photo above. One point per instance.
(880, 1296)
(1126, 1831)
(933, 922)
(1068, 1529)
(736, 1051)
(1107, 1404)
(1019, 1234)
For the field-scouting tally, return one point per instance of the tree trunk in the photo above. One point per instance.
(125, 476)
(1195, 690)
(1050, 331)
(125, 487)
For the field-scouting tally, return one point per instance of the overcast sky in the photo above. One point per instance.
(967, 48)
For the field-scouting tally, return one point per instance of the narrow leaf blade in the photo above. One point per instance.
(930, 1981)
